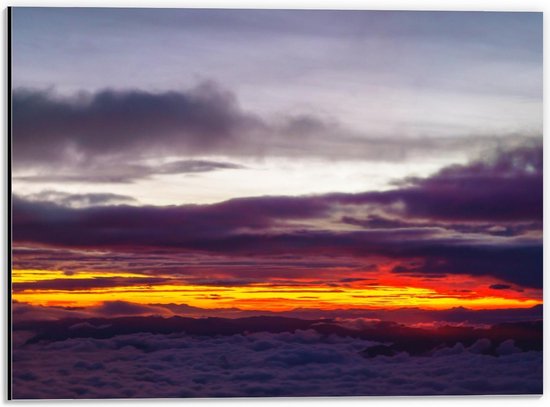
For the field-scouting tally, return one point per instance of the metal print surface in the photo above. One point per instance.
(244, 203)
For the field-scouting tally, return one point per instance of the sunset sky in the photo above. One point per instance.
(178, 162)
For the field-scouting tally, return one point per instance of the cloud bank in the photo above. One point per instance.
(299, 363)
(482, 219)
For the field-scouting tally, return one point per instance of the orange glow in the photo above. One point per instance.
(389, 292)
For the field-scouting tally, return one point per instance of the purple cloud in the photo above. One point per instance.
(86, 283)
(505, 192)
(298, 362)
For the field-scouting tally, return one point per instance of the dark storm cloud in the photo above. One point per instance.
(504, 190)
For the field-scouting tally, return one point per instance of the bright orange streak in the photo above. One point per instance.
(263, 297)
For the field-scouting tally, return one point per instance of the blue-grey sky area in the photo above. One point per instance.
(404, 92)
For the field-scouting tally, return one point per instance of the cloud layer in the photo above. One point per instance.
(484, 218)
(299, 363)
(105, 136)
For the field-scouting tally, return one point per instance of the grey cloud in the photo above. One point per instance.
(114, 172)
(88, 136)
(109, 122)
(192, 166)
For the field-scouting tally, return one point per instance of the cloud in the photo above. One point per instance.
(500, 286)
(355, 319)
(359, 318)
(302, 362)
(193, 166)
(24, 312)
(414, 340)
(107, 135)
(119, 308)
(115, 172)
(86, 283)
(506, 187)
(50, 127)
(383, 222)
(442, 221)
(79, 200)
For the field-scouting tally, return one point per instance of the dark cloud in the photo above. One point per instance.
(191, 268)
(85, 283)
(519, 262)
(48, 127)
(118, 308)
(24, 312)
(411, 339)
(500, 286)
(175, 225)
(383, 222)
(355, 319)
(506, 187)
(431, 220)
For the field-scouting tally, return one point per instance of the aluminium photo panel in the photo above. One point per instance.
(211, 203)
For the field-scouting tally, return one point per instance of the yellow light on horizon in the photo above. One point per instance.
(261, 297)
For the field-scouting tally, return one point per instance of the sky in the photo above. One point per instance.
(276, 159)
(376, 95)
(356, 167)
